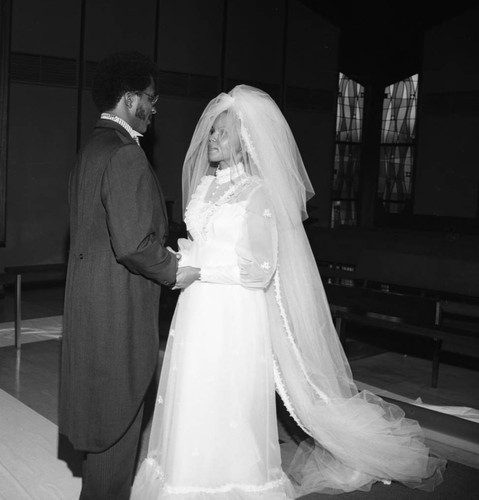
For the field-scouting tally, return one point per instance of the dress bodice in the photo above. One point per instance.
(206, 219)
(233, 236)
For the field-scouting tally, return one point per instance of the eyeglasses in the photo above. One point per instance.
(152, 98)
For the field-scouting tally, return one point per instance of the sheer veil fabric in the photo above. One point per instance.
(356, 438)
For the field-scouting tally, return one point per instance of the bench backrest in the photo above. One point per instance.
(393, 306)
(427, 272)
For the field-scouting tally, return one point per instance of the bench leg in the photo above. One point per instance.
(18, 310)
(435, 361)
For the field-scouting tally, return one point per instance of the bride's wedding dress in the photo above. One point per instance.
(214, 433)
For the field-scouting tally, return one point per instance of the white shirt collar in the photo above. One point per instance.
(134, 134)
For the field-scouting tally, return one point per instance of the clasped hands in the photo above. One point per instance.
(185, 275)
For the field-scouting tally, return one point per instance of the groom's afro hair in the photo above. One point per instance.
(119, 73)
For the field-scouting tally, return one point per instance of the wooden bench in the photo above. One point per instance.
(377, 295)
(437, 333)
(15, 273)
(426, 315)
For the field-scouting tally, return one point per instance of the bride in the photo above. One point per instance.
(253, 318)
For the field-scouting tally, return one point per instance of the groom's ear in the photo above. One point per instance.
(128, 98)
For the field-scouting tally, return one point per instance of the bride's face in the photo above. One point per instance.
(223, 143)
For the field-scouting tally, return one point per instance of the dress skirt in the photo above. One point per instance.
(214, 432)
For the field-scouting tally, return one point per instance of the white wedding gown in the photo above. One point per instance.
(214, 432)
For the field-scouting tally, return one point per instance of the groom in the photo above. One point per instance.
(117, 262)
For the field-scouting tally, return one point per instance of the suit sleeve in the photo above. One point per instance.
(130, 196)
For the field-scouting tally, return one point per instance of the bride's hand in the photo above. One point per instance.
(185, 276)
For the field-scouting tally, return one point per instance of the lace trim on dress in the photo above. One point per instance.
(252, 488)
(199, 219)
(224, 198)
(228, 174)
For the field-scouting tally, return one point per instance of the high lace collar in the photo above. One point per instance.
(229, 174)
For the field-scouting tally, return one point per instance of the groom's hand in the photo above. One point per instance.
(185, 276)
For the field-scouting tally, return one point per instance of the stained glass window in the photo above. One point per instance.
(398, 145)
(349, 123)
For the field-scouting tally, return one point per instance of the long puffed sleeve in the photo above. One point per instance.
(256, 248)
(135, 218)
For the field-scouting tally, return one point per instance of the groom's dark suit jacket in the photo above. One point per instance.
(117, 260)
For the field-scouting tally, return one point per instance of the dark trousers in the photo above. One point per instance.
(108, 475)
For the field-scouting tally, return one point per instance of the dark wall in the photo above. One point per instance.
(447, 181)
(439, 250)
(41, 133)
(278, 45)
